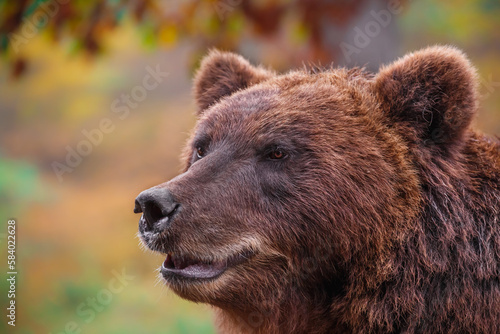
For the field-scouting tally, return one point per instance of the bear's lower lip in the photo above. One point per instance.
(195, 269)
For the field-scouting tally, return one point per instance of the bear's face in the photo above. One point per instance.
(288, 181)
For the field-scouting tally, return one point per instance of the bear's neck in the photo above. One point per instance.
(298, 316)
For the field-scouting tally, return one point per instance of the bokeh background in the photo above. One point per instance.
(65, 66)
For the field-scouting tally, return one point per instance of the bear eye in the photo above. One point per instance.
(200, 152)
(277, 154)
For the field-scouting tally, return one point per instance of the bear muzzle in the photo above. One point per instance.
(185, 261)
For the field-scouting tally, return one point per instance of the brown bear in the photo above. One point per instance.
(335, 200)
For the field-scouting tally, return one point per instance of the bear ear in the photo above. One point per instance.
(432, 93)
(223, 73)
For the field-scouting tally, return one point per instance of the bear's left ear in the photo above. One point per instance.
(432, 93)
(223, 73)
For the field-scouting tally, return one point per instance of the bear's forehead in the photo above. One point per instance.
(285, 105)
(247, 106)
(251, 115)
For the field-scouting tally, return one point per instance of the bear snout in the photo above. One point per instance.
(158, 208)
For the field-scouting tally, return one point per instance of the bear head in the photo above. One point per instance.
(295, 183)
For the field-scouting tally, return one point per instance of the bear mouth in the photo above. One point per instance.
(185, 266)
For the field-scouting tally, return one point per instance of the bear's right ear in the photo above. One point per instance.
(431, 93)
(223, 73)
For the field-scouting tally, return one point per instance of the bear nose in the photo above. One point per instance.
(158, 207)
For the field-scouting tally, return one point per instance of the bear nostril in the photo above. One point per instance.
(152, 213)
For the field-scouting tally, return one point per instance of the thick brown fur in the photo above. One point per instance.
(383, 216)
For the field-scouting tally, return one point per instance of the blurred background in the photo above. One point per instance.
(95, 107)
